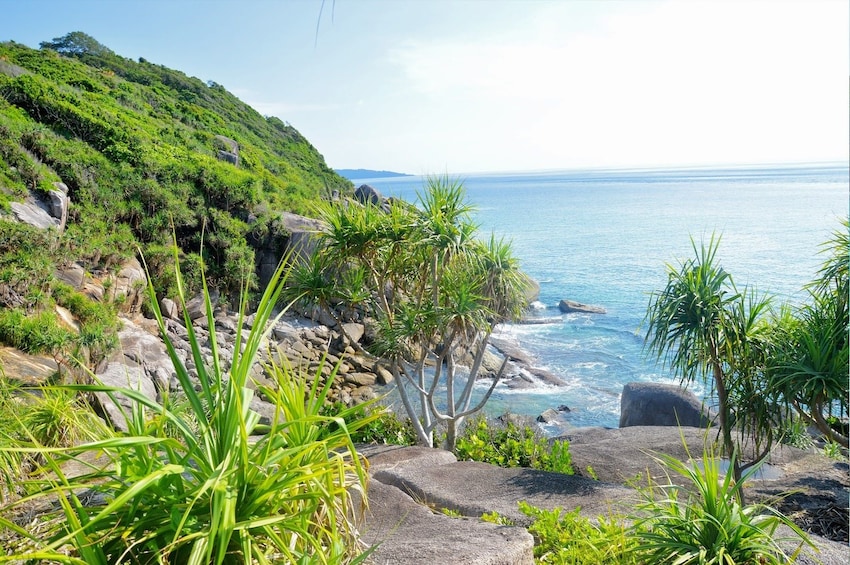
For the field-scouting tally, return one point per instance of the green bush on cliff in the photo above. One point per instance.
(137, 144)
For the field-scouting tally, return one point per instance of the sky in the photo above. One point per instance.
(430, 87)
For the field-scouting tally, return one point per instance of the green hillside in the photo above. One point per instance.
(146, 153)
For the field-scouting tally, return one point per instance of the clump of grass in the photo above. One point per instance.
(707, 524)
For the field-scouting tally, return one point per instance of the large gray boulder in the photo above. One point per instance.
(29, 212)
(657, 404)
(366, 194)
(408, 533)
(44, 210)
(569, 306)
(471, 488)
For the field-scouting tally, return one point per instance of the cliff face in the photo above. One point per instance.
(148, 156)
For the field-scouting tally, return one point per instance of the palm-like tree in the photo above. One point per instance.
(702, 327)
(434, 290)
(808, 366)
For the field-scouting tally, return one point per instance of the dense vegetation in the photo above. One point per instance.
(139, 147)
(196, 480)
(767, 366)
(434, 289)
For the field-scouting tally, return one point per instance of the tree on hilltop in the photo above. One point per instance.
(76, 43)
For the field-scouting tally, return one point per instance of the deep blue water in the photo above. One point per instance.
(604, 237)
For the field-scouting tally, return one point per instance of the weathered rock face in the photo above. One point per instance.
(228, 151)
(301, 242)
(44, 210)
(141, 364)
(130, 284)
(127, 287)
(27, 369)
(657, 404)
(568, 306)
(58, 202)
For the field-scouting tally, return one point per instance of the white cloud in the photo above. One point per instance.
(677, 82)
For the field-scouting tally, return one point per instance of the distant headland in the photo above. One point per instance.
(352, 174)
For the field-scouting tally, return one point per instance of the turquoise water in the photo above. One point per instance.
(604, 237)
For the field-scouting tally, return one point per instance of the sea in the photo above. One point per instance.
(606, 237)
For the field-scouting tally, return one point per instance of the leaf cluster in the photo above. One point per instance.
(708, 524)
(509, 445)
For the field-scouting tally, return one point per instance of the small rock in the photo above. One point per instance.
(568, 306)
(361, 379)
(548, 416)
(169, 309)
(384, 376)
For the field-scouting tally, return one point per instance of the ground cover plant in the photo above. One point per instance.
(567, 538)
(198, 485)
(512, 445)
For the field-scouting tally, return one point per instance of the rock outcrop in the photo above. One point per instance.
(125, 287)
(298, 238)
(228, 150)
(569, 306)
(657, 404)
(313, 350)
(44, 211)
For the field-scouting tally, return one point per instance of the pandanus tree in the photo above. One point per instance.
(808, 365)
(434, 291)
(703, 328)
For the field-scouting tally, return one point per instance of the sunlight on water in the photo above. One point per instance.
(603, 238)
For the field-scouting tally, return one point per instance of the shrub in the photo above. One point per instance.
(509, 445)
(388, 428)
(567, 538)
(33, 334)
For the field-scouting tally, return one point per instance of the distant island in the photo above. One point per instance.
(352, 174)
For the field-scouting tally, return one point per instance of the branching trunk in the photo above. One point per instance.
(824, 427)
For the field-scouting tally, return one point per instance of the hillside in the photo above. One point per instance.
(146, 153)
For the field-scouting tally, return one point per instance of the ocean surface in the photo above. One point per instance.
(603, 237)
